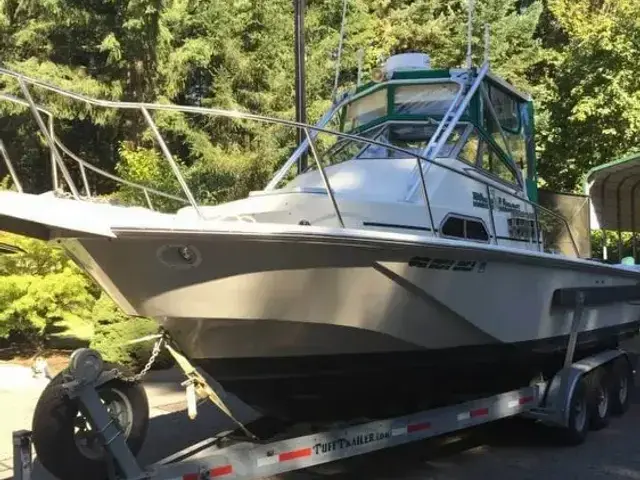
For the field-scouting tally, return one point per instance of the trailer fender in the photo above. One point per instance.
(561, 388)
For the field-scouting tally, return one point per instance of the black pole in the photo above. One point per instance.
(301, 108)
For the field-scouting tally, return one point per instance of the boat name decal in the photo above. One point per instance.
(357, 440)
(502, 204)
(446, 264)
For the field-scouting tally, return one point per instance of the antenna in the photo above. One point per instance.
(342, 23)
(470, 35)
(360, 63)
(299, 50)
(487, 42)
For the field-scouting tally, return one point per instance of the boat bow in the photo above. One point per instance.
(47, 217)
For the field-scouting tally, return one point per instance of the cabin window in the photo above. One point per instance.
(493, 163)
(465, 228)
(453, 227)
(431, 99)
(476, 231)
(493, 129)
(478, 152)
(518, 148)
(469, 151)
(333, 149)
(366, 109)
(506, 108)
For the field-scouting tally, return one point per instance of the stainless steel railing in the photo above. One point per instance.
(310, 131)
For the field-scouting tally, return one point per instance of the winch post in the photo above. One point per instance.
(86, 369)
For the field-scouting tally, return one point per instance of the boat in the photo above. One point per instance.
(404, 263)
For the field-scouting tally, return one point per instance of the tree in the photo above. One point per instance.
(592, 101)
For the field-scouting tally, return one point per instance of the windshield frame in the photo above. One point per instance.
(464, 128)
(372, 132)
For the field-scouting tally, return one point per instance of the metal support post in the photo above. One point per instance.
(299, 7)
(49, 139)
(172, 163)
(22, 455)
(12, 172)
(325, 179)
(425, 193)
(576, 323)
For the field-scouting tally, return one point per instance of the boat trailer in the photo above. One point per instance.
(580, 397)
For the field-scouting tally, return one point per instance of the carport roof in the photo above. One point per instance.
(614, 190)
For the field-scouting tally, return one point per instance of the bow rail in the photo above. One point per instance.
(57, 149)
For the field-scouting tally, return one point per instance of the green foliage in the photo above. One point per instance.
(113, 329)
(576, 56)
(46, 300)
(41, 291)
(591, 101)
(616, 249)
(146, 167)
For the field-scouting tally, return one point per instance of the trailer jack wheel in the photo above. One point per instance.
(63, 438)
(578, 425)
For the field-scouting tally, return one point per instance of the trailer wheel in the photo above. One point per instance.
(621, 386)
(599, 393)
(63, 439)
(578, 426)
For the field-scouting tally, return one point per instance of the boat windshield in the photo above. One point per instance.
(424, 100)
(413, 137)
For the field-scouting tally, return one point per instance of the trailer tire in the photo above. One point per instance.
(621, 386)
(599, 394)
(55, 419)
(578, 425)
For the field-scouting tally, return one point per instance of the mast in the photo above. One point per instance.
(299, 51)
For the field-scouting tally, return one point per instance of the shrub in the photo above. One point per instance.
(41, 292)
(113, 329)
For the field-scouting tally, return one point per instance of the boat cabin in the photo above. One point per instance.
(442, 152)
(407, 101)
(405, 109)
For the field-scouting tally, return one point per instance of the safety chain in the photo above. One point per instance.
(157, 347)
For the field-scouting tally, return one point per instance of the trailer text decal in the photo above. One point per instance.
(342, 443)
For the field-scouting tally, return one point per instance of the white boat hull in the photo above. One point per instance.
(284, 314)
(432, 294)
(297, 324)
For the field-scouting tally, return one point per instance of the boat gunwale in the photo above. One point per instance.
(374, 239)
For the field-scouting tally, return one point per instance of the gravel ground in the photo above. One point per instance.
(513, 449)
